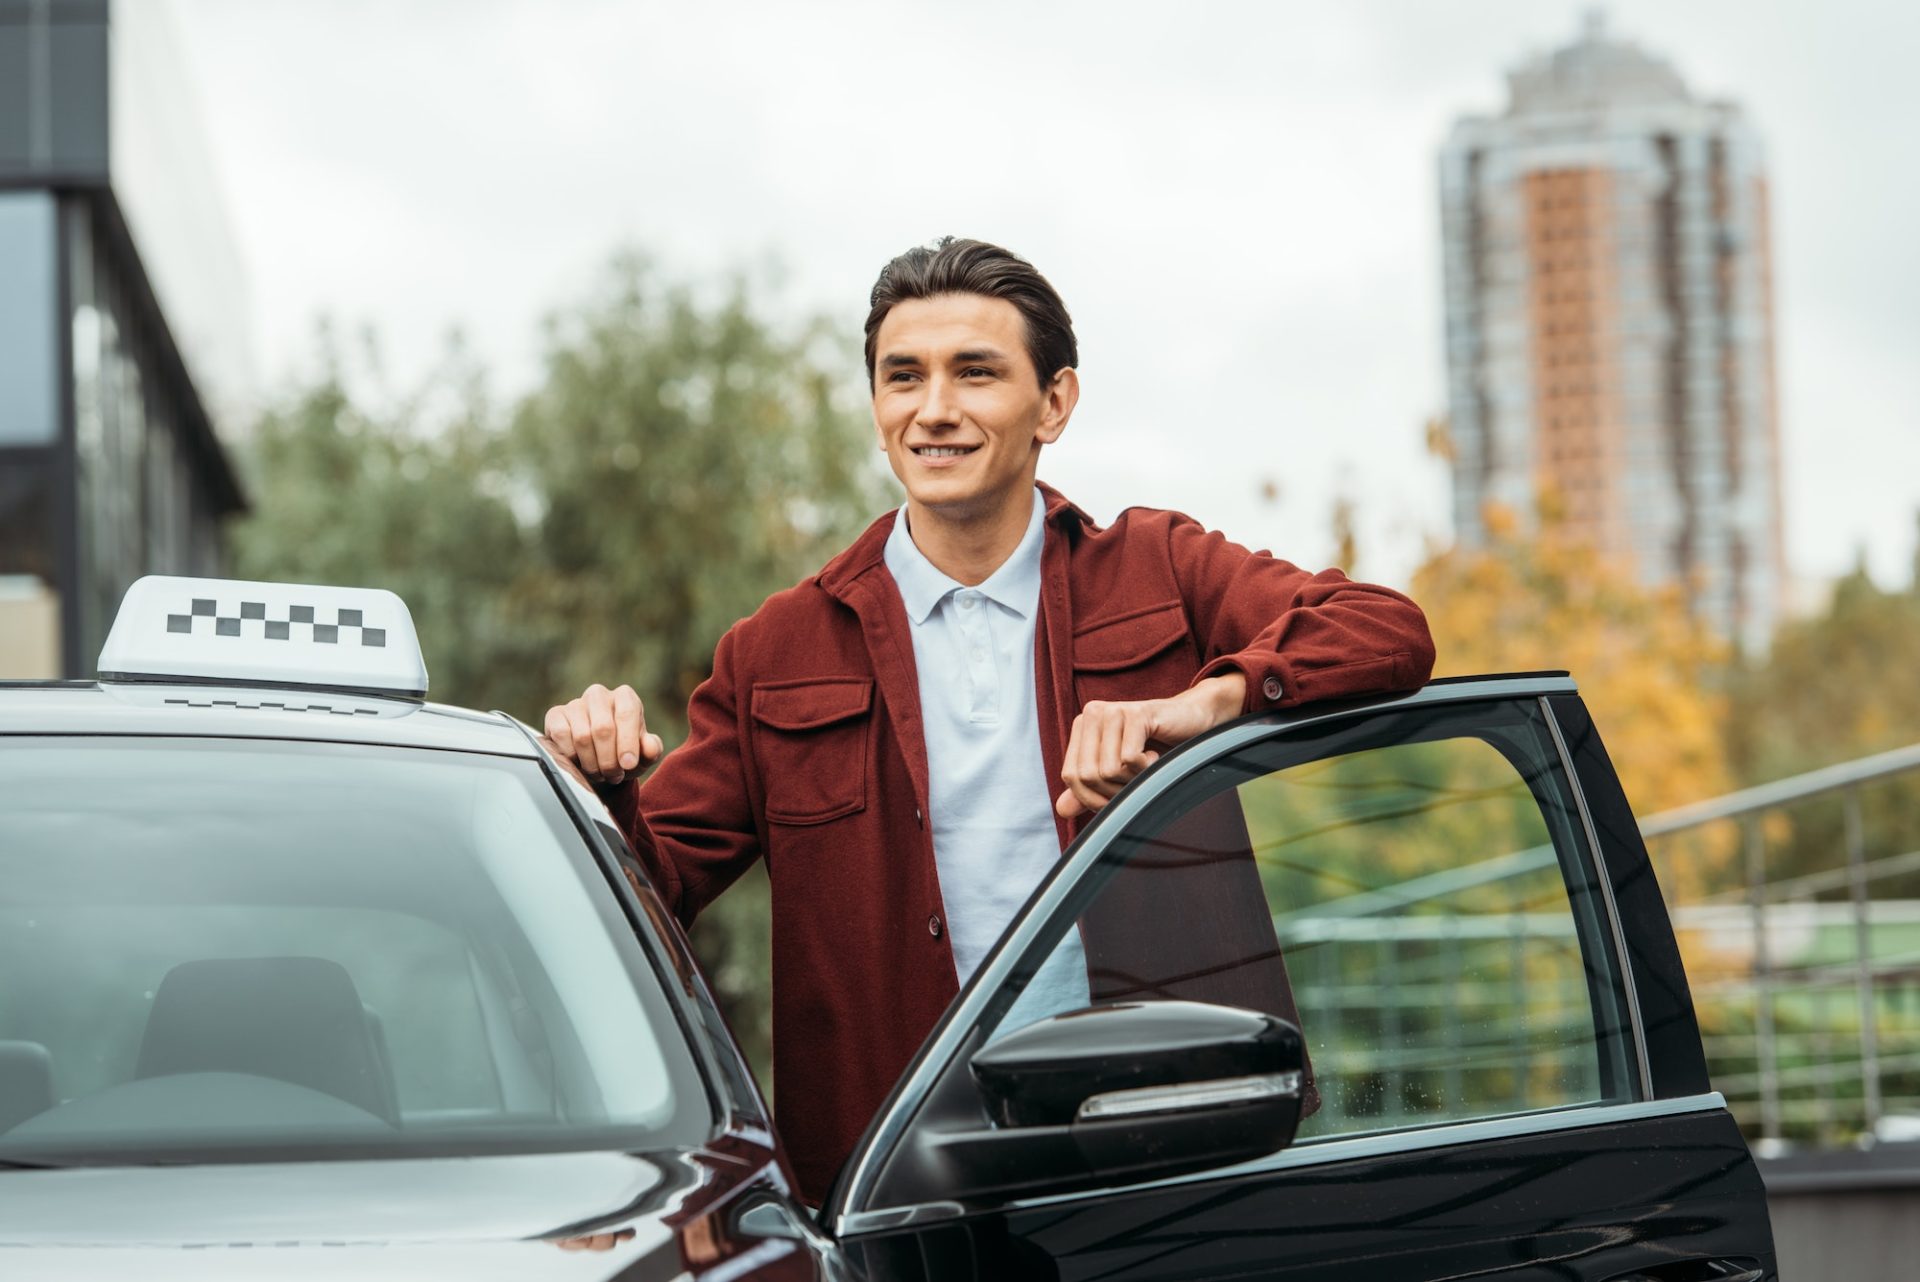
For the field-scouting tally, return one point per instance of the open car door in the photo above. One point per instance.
(1384, 991)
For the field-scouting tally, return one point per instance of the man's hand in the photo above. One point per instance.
(605, 733)
(1109, 743)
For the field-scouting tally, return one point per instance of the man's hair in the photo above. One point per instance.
(952, 266)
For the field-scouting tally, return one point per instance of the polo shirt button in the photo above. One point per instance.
(918, 817)
(1271, 688)
(933, 926)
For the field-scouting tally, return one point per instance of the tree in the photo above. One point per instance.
(393, 499)
(681, 459)
(1652, 675)
(681, 462)
(1836, 686)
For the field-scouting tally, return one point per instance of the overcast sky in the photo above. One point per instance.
(1237, 201)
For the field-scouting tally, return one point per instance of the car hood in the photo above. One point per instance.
(470, 1218)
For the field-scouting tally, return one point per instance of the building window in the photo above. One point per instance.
(29, 365)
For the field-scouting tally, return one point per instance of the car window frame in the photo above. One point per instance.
(735, 1105)
(848, 1210)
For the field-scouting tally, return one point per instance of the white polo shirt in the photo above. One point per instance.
(988, 799)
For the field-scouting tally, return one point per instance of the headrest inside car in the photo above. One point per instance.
(296, 1019)
(26, 1082)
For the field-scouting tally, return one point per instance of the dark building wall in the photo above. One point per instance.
(109, 464)
(53, 90)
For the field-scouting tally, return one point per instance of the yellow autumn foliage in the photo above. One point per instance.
(1652, 676)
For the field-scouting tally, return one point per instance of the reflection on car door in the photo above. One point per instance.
(1474, 981)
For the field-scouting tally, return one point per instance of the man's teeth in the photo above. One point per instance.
(943, 451)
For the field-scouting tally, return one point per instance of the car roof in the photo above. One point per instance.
(166, 708)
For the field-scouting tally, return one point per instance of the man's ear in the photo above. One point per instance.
(1061, 396)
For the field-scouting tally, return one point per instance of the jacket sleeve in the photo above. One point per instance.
(691, 821)
(1297, 637)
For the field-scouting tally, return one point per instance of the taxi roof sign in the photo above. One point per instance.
(234, 631)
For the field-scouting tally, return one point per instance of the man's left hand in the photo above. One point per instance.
(1113, 742)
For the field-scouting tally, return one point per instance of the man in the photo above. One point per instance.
(886, 733)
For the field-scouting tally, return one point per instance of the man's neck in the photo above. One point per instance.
(969, 549)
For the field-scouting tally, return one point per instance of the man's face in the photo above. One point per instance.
(959, 410)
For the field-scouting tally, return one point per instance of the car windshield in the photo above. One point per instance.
(217, 950)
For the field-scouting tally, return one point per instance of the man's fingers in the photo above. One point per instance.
(1106, 761)
(599, 701)
(580, 731)
(629, 727)
(1081, 763)
(1134, 753)
(1089, 797)
(1106, 750)
(565, 761)
(1068, 804)
(605, 733)
(558, 730)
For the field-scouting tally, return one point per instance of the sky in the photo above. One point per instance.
(1237, 200)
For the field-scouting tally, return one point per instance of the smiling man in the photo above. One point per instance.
(911, 736)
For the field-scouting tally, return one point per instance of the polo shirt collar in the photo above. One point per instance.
(1015, 585)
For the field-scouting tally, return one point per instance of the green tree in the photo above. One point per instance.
(681, 458)
(398, 499)
(681, 461)
(1835, 686)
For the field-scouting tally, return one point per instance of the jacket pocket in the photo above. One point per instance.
(1142, 654)
(810, 741)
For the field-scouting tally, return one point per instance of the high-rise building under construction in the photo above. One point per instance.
(1609, 320)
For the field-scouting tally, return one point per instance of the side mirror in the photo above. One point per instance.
(1129, 1092)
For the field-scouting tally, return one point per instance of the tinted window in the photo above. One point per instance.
(1411, 888)
(220, 946)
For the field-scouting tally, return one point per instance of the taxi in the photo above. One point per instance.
(304, 975)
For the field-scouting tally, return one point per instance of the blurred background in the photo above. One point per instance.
(1591, 327)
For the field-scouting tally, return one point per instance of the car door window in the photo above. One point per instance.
(1412, 888)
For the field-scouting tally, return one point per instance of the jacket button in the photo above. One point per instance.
(933, 925)
(1271, 688)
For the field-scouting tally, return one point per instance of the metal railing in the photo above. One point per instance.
(1807, 985)
(1807, 1068)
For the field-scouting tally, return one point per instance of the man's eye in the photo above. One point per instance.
(901, 376)
(977, 370)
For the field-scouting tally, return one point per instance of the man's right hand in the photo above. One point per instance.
(605, 733)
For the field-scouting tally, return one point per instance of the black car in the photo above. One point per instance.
(301, 976)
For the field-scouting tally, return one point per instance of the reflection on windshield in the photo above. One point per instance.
(220, 946)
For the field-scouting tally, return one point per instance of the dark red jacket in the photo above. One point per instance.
(805, 749)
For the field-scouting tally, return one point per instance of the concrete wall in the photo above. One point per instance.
(1840, 1215)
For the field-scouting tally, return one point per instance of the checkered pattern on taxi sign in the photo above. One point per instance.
(252, 620)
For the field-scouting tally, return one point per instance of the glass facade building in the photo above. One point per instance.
(111, 465)
(1609, 312)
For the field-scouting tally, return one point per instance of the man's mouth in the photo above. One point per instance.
(944, 451)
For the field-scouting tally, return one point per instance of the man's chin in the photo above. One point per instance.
(951, 502)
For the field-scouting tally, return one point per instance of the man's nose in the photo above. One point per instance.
(936, 406)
